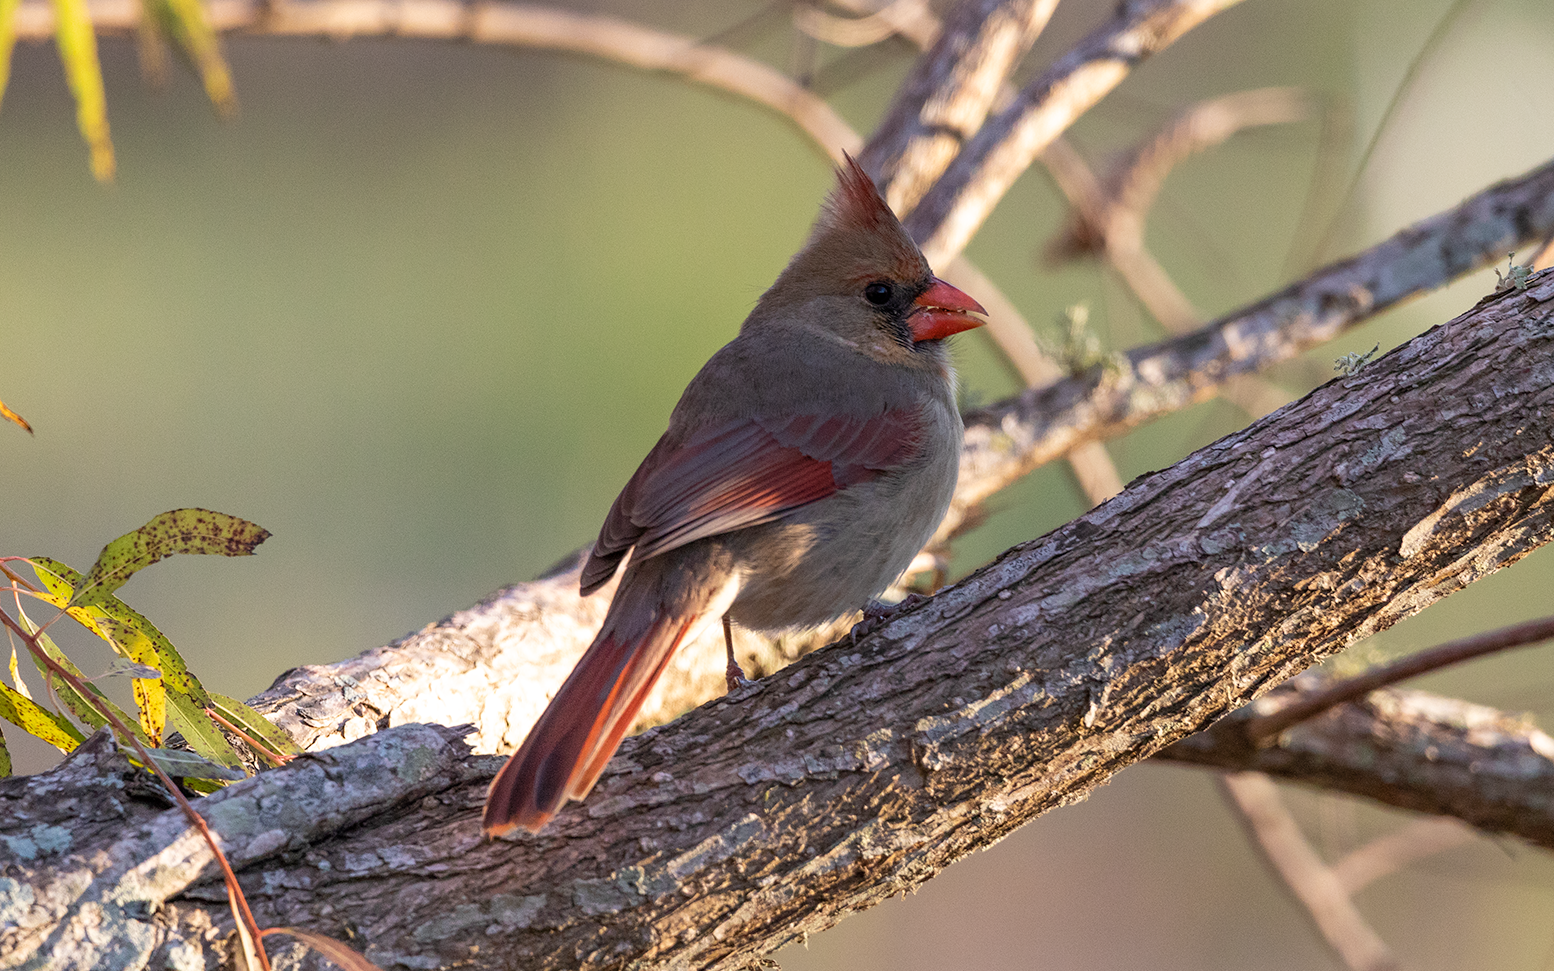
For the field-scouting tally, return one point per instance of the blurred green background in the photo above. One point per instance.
(422, 308)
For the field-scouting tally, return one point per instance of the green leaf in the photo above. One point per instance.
(88, 709)
(5, 758)
(130, 633)
(78, 50)
(183, 764)
(201, 732)
(187, 23)
(132, 636)
(179, 531)
(38, 721)
(255, 724)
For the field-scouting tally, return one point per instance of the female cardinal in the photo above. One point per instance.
(804, 467)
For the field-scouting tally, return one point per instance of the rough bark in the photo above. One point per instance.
(1409, 749)
(1017, 690)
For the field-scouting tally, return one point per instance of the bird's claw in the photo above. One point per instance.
(734, 675)
(875, 614)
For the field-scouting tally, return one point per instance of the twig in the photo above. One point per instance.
(1092, 466)
(1404, 87)
(1005, 146)
(1388, 854)
(1409, 749)
(897, 17)
(1271, 726)
(1008, 440)
(1113, 213)
(1108, 216)
(948, 93)
(1276, 834)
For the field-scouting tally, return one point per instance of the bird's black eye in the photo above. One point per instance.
(878, 294)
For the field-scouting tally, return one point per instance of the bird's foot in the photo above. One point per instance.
(734, 675)
(875, 614)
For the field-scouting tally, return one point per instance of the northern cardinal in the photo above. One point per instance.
(803, 469)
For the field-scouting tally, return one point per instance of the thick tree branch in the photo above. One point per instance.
(1016, 690)
(494, 664)
(1409, 749)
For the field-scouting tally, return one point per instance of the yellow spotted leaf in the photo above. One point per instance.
(88, 707)
(198, 531)
(130, 634)
(38, 721)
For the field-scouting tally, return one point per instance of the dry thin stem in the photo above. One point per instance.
(1271, 726)
(1011, 139)
(1278, 837)
(947, 96)
(1386, 855)
(1108, 216)
(1400, 93)
(905, 17)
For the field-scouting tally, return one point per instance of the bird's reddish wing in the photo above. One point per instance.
(744, 473)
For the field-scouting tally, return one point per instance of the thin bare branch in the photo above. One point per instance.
(1005, 146)
(1108, 215)
(508, 24)
(949, 92)
(1386, 855)
(1114, 212)
(912, 18)
(1008, 440)
(1316, 888)
(1269, 726)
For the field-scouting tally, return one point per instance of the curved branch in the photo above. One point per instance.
(1270, 726)
(508, 24)
(1003, 148)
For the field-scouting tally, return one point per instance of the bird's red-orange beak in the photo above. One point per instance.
(942, 311)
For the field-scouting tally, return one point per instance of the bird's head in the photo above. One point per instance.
(860, 277)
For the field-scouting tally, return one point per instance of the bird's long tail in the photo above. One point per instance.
(655, 607)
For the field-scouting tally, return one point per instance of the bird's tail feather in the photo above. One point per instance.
(571, 743)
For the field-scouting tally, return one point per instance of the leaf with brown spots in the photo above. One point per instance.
(178, 531)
